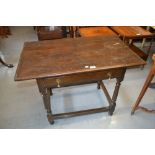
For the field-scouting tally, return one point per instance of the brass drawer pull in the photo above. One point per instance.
(58, 82)
(109, 75)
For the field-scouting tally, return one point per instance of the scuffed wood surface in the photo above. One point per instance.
(71, 56)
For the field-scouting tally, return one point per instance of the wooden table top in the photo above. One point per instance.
(68, 56)
(96, 31)
(132, 32)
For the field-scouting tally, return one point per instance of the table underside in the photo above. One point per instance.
(46, 85)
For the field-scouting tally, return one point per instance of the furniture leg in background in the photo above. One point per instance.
(144, 40)
(5, 64)
(146, 85)
(74, 31)
(4, 32)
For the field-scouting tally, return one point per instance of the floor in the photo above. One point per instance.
(21, 104)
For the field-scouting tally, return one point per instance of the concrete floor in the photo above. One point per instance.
(21, 104)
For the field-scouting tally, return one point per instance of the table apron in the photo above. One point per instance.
(80, 78)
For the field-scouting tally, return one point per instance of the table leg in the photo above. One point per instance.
(114, 98)
(40, 87)
(112, 101)
(51, 93)
(46, 97)
(5, 64)
(46, 92)
(115, 94)
(98, 84)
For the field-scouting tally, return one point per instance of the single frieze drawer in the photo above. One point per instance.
(80, 78)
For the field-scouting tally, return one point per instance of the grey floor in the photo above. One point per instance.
(21, 104)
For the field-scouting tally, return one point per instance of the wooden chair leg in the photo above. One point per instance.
(146, 85)
(5, 64)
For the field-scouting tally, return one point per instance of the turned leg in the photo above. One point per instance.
(47, 104)
(5, 64)
(98, 84)
(112, 101)
(115, 94)
(114, 98)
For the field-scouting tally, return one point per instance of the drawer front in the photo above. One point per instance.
(50, 35)
(81, 78)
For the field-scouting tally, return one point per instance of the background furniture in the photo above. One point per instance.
(129, 33)
(147, 28)
(50, 32)
(4, 32)
(73, 31)
(96, 31)
(146, 85)
(86, 31)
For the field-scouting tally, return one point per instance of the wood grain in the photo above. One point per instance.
(96, 31)
(68, 56)
(132, 32)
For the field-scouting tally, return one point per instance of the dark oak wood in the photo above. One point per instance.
(145, 87)
(80, 78)
(81, 112)
(71, 56)
(97, 31)
(47, 104)
(69, 80)
(74, 61)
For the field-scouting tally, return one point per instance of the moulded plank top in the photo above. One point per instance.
(67, 56)
(132, 31)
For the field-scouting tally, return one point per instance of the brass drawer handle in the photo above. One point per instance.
(58, 82)
(109, 75)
